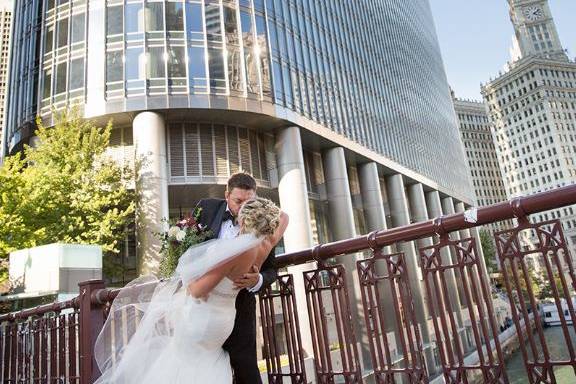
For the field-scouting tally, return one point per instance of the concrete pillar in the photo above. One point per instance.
(342, 225)
(400, 217)
(419, 213)
(151, 187)
(375, 216)
(339, 197)
(293, 195)
(372, 201)
(435, 210)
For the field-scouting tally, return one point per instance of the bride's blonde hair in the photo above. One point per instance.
(259, 216)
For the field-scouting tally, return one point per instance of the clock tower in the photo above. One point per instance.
(535, 29)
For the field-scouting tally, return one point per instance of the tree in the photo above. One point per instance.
(489, 250)
(65, 190)
(545, 284)
(531, 281)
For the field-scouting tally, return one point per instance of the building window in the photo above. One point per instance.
(134, 18)
(78, 27)
(61, 70)
(62, 33)
(154, 17)
(114, 20)
(174, 17)
(176, 63)
(114, 66)
(197, 66)
(77, 73)
(216, 67)
(47, 87)
(135, 66)
(194, 21)
(156, 62)
(49, 39)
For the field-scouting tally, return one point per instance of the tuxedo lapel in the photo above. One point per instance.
(217, 222)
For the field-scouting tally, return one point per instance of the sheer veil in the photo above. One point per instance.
(143, 316)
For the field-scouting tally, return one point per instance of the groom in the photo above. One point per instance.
(220, 217)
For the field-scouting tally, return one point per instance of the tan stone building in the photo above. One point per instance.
(532, 109)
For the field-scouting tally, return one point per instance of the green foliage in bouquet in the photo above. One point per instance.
(181, 235)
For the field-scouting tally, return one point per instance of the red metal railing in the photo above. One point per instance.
(54, 343)
(551, 248)
(401, 319)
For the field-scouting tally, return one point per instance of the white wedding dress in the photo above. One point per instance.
(156, 333)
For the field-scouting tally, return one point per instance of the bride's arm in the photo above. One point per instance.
(271, 241)
(201, 287)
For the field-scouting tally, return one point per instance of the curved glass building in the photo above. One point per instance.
(319, 100)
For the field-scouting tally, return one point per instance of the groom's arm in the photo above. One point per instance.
(269, 271)
(255, 280)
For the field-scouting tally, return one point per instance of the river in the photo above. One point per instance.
(557, 346)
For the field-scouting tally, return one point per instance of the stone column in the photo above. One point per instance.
(435, 210)
(375, 216)
(419, 212)
(339, 197)
(400, 217)
(293, 195)
(372, 201)
(342, 225)
(151, 187)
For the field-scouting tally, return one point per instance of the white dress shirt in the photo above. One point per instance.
(229, 231)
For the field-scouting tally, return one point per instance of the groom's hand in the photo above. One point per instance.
(249, 279)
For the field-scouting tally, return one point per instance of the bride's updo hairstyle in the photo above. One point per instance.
(260, 216)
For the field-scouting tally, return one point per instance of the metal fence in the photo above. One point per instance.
(54, 343)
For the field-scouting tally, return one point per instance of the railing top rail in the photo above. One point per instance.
(107, 295)
(41, 310)
(516, 208)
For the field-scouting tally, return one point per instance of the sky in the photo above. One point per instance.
(475, 37)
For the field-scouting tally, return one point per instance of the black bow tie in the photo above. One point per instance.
(229, 216)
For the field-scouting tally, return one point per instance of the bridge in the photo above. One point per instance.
(356, 307)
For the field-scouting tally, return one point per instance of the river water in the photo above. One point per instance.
(557, 347)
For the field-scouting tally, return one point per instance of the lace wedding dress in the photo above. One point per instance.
(156, 333)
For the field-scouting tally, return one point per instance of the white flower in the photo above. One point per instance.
(180, 235)
(173, 231)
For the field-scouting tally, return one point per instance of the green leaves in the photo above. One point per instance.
(65, 190)
(489, 250)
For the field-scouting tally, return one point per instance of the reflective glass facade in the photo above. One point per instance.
(370, 71)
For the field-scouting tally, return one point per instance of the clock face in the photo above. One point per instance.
(533, 13)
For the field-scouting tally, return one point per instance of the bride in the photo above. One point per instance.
(172, 331)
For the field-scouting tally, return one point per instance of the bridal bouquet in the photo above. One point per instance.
(181, 235)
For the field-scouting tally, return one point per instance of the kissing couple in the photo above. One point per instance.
(198, 326)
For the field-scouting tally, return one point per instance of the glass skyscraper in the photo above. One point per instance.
(222, 80)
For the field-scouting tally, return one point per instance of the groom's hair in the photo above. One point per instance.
(241, 180)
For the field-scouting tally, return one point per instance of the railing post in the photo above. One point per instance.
(91, 322)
